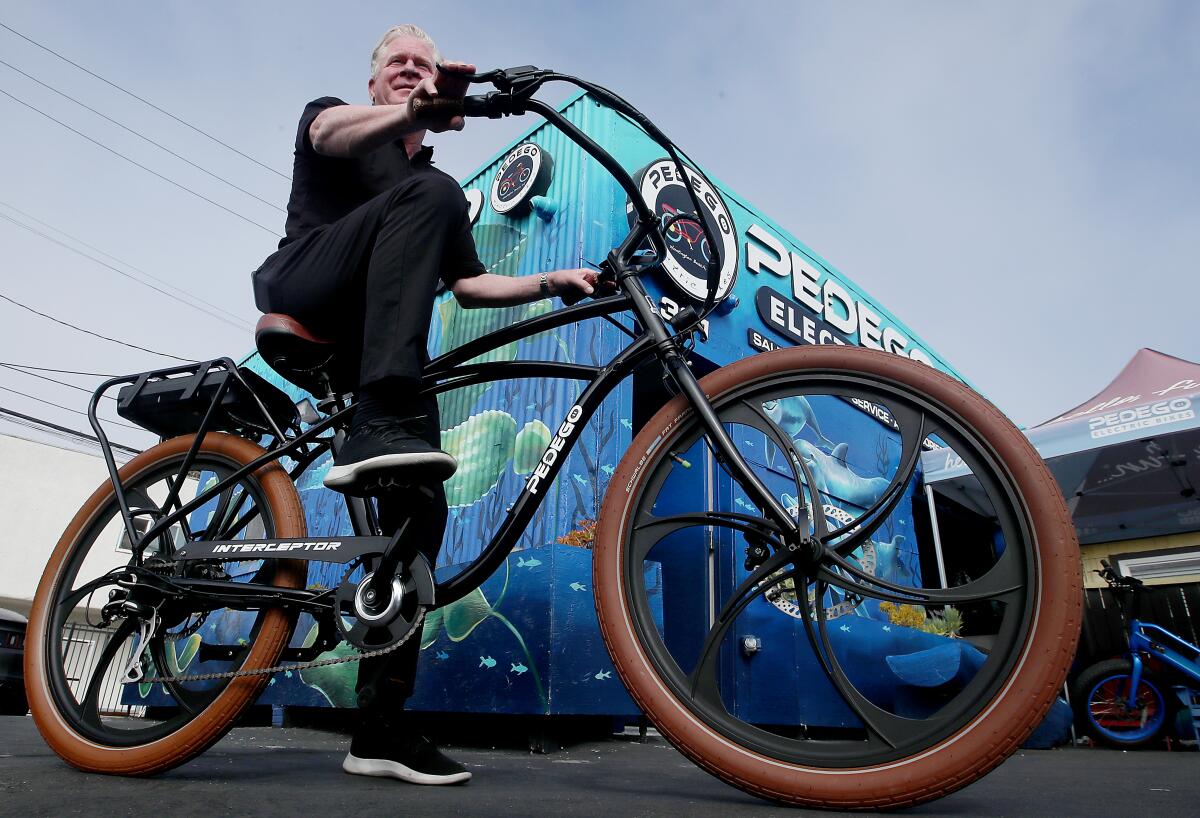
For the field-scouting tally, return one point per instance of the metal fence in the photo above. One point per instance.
(81, 650)
(1105, 625)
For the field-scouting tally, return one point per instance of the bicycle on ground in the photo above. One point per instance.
(210, 522)
(1133, 700)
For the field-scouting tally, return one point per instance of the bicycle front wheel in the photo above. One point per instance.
(76, 656)
(901, 650)
(1104, 703)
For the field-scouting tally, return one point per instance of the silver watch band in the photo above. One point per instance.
(544, 284)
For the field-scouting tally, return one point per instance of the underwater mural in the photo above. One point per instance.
(527, 641)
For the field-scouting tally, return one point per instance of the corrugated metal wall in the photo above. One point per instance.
(503, 427)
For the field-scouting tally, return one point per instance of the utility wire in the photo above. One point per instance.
(55, 380)
(45, 425)
(144, 138)
(59, 371)
(67, 408)
(235, 323)
(136, 269)
(94, 334)
(145, 102)
(140, 165)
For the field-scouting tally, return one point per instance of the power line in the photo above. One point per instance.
(45, 425)
(67, 408)
(140, 165)
(144, 137)
(55, 380)
(59, 371)
(145, 102)
(94, 334)
(235, 323)
(136, 269)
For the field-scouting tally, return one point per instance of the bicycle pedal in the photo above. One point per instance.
(385, 483)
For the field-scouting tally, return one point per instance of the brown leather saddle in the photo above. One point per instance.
(303, 357)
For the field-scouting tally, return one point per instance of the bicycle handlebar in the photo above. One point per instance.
(1115, 580)
(514, 96)
(485, 105)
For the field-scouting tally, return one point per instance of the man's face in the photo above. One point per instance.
(405, 62)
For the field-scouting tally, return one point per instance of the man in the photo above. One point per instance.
(372, 226)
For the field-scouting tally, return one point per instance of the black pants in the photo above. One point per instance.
(368, 282)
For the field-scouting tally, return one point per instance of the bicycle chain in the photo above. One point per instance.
(261, 671)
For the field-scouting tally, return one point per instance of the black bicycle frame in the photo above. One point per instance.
(451, 371)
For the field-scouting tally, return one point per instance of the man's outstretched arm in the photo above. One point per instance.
(490, 290)
(355, 130)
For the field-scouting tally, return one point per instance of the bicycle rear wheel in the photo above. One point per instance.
(74, 659)
(852, 675)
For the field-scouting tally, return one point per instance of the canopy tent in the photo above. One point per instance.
(1127, 460)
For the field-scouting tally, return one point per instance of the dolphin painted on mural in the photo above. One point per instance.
(835, 478)
(888, 565)
(532, 562)
(793, 415)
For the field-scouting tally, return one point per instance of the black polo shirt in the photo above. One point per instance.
(326, 188)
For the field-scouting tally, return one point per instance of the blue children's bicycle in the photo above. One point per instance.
(1126, 702)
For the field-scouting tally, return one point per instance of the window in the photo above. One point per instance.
(1150, 565)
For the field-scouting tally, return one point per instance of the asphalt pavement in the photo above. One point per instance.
(293, 771)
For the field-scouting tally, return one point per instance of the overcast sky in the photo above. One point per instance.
(1017, 182)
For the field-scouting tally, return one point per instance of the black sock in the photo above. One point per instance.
(388, 398)
(380, 726)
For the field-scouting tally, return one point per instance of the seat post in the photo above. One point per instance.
(332, 400)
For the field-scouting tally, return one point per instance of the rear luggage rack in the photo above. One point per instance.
(177, 401)
(198, 398)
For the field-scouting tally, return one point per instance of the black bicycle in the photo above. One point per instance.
(209, 521)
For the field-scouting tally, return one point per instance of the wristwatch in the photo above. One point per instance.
(544, 284)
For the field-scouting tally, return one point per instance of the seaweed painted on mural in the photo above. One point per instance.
(458, 620)
(456, 623)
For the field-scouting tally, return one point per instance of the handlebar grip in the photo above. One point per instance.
(438, 107)
(487, 105)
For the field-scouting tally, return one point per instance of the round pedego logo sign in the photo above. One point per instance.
(524, 173)
(688, 250)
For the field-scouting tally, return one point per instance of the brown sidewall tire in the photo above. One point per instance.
(214, 721)
(965, 756)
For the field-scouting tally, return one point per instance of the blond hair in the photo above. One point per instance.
(406, 30)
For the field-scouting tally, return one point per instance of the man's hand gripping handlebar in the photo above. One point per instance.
(513, 85)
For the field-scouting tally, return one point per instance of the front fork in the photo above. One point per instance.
(724, 449)
(1135, 679)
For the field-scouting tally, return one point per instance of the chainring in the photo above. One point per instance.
(416, 580)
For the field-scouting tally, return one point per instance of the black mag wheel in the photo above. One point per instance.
(889, 655)
(82, 642)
